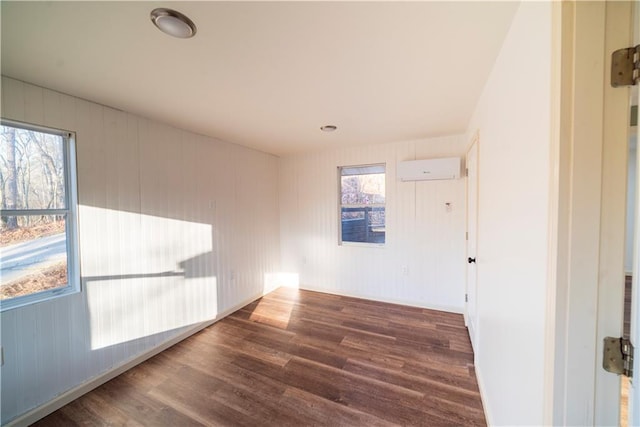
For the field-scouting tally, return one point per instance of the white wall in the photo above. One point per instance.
(151, 197)
(513, 119)
(421, 235)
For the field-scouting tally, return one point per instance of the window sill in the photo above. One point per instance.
(36, 298)
(362, 245)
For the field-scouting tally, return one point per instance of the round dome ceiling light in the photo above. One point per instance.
(328, 128)
(173, 23)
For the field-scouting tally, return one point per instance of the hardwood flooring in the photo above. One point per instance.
(296, 358)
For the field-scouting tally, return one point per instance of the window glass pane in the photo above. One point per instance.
(32, 169)
(363, 204)
(34, 254)
(363, 189)
(365, 225)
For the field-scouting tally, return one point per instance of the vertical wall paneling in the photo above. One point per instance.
(33, 104)
(13, 99)
(421, 262)
(513, 221)
(174, 229)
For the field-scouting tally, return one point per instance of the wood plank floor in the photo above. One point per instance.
(296, 358)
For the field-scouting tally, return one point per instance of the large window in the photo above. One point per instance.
(362, 204)
(38, 249)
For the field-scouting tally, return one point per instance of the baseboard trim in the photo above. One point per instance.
(448, 309)
(69, 396)
(485, 408)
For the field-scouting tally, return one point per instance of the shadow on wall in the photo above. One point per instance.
(154, 275)
(128, 307)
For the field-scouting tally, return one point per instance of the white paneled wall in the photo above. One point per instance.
(513, 220)
(422, 262)
(175, 228)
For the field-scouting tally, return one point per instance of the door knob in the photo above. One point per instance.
(471, 260)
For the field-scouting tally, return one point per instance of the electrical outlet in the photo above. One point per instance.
(405, 270)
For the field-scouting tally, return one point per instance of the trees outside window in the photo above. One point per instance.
(37, 213)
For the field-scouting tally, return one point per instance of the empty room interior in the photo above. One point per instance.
(314, 213)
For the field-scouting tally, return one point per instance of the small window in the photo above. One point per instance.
(362, 204)
(38, 244)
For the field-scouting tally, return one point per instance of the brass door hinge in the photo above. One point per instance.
(625, 67)
(618, 356)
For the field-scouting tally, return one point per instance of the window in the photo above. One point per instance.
(38, 249)
(362, 204)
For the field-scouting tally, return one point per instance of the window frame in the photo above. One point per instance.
(342, 242)
(71, 218)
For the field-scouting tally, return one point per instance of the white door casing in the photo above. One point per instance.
(634, 391)
(471, 315)
(588, 174)
(615, 151)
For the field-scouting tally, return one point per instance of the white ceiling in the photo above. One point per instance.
(268, 74)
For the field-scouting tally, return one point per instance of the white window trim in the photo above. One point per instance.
(71, 225)
(363, 168)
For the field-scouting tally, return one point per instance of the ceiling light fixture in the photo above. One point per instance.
(173, 23)
(328, 128)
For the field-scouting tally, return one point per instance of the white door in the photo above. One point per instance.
(472, 242)
(634, 392)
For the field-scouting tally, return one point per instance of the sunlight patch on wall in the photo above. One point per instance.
(153, 276)
(273, 281)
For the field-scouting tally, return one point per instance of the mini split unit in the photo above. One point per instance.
(429, 169)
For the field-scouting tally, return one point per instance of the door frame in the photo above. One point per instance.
(473, 332)
(586, 245)
(633, 401)
(634, 387)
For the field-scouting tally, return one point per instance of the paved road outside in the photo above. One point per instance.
(30, 256)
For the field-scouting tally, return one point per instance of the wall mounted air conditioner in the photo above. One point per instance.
(429, 169)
